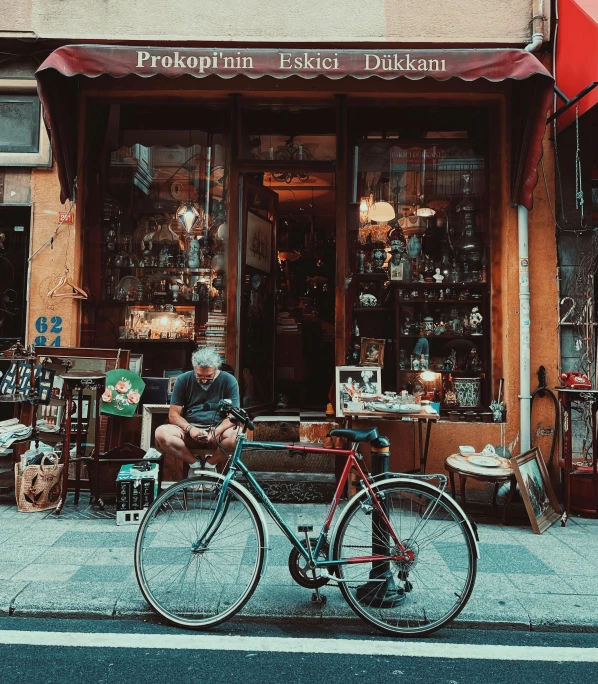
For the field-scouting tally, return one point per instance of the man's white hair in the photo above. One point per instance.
(206, 358)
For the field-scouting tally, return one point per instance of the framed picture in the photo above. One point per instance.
(536, 491)
(259, 243)
(395, 270)
(372, 352)
(136, 363)
(352, 382)
(172, 376)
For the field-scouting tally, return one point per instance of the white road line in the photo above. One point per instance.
(209, 642)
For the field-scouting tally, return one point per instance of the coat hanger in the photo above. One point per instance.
(67, 288)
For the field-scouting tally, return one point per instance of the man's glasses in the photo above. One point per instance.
(205, 378)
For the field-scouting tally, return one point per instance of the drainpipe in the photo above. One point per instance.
(538, 20)
(524, 331)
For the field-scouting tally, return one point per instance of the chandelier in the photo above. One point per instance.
(291, 152)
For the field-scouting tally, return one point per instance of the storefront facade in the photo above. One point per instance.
(303, 135)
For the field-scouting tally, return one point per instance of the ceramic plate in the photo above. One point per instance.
(484, 461)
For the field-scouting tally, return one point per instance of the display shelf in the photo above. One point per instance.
(373, 309)
(445, 336)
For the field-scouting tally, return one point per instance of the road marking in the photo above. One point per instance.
(209, 642)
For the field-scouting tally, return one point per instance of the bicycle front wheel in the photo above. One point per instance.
(199, 587)
(399, 597)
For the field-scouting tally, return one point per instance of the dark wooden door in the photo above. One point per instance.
(257, 286)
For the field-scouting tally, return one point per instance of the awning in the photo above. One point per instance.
(58, 79)
(577, 54)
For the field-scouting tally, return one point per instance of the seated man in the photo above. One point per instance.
(190, 425)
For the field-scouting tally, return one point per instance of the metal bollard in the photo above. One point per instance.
(381, 590)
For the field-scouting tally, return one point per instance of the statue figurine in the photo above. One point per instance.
(475, 321)
(163, 257)
(193, 257)
(438, 277)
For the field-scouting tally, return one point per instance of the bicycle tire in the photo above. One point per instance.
(206, 588)
(445, 559)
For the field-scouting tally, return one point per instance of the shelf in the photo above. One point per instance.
(183, 270)
(474, 374)
(109, 303)
(170, 340)
(372, 276)
(372, 309)
(440, 301)
(442, 337)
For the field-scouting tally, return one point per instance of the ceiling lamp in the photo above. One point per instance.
(189, 214)
(425, 210)
(381, 212)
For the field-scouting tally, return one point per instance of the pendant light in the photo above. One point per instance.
(381, 211)
(188, 214)
(422, 209)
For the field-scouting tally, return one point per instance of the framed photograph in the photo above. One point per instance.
(395, 271)
(352, 382)
(536, 491)
(259, 243)
(372, 352)
(136, 364)
(172, 376)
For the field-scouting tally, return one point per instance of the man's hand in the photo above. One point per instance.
(198, 434)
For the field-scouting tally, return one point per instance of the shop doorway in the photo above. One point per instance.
(301, 356)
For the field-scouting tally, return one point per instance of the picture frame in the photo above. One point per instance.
(372, 352)
(136, 364)
(357, 379)
(395, 271)
(259, 243)
(536, 491)
(172, 376)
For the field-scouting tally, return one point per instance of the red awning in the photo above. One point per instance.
(58, 75)
(577, 54)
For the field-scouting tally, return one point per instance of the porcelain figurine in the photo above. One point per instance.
(438, 277)
(475, 321)
(193, 256)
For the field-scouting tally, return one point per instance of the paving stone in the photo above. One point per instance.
(64, 555)
(101, 574)
(118, 556)
(36, 572)
(561, 611)
(97, 539)
(539, 584)
(582, 584)
(9, 590)
(8, 570)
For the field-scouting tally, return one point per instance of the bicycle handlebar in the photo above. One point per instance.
(225, 409)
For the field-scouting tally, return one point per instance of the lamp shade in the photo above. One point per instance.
(188, 215)
(381, 212)
(425, 211)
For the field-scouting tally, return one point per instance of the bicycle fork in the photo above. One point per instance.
(316, 597)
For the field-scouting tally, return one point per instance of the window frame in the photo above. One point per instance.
(41, 158)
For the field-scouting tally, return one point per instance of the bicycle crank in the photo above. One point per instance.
(300, 570)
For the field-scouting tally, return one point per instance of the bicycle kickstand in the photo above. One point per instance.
(316, 597)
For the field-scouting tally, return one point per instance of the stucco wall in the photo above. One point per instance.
(49, 265)
(506, 22)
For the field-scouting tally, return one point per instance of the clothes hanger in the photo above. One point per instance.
(72, 292)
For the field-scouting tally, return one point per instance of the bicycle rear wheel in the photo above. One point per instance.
(400, 598)
(199, 589)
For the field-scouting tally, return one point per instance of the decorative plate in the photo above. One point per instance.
(484, 461)
(131, 287)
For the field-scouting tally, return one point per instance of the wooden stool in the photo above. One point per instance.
(455, 463)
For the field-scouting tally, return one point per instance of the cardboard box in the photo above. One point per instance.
(135, 490)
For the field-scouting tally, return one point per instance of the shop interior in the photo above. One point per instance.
(417, 263)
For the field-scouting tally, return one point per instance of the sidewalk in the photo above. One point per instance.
(80, 565)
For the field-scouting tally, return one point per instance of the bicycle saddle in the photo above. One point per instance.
(355, 435)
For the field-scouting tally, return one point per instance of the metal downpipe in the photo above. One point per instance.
(524, 331)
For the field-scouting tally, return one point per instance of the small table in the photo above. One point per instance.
(455, 463)
(420, 417)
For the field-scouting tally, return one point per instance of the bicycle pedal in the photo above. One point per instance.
(305, 528)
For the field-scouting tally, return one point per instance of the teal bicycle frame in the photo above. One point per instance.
(353, 458)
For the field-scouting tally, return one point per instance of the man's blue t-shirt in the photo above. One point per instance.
(192, 396)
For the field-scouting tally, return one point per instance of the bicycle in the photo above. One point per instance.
(402, 552)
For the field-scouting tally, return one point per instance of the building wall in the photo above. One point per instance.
(507, 22)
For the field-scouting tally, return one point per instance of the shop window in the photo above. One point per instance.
(420, 253)
(290, 135)
(160, 263)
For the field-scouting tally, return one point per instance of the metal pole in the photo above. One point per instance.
(381, 591)
(525, 396)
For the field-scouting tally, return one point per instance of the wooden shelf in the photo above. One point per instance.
(440, 301)
(442, 337)
(473, 374)
(372, 309)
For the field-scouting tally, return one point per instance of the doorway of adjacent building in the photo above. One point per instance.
(14, 251)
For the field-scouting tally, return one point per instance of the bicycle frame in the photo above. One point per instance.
(352, 461)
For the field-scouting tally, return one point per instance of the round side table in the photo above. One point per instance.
(455, 463)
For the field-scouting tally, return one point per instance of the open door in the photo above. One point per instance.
(257, 284)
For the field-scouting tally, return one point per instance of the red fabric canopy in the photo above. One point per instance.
(58, 88)
(577, 54)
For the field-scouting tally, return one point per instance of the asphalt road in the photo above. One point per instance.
(115, 652)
